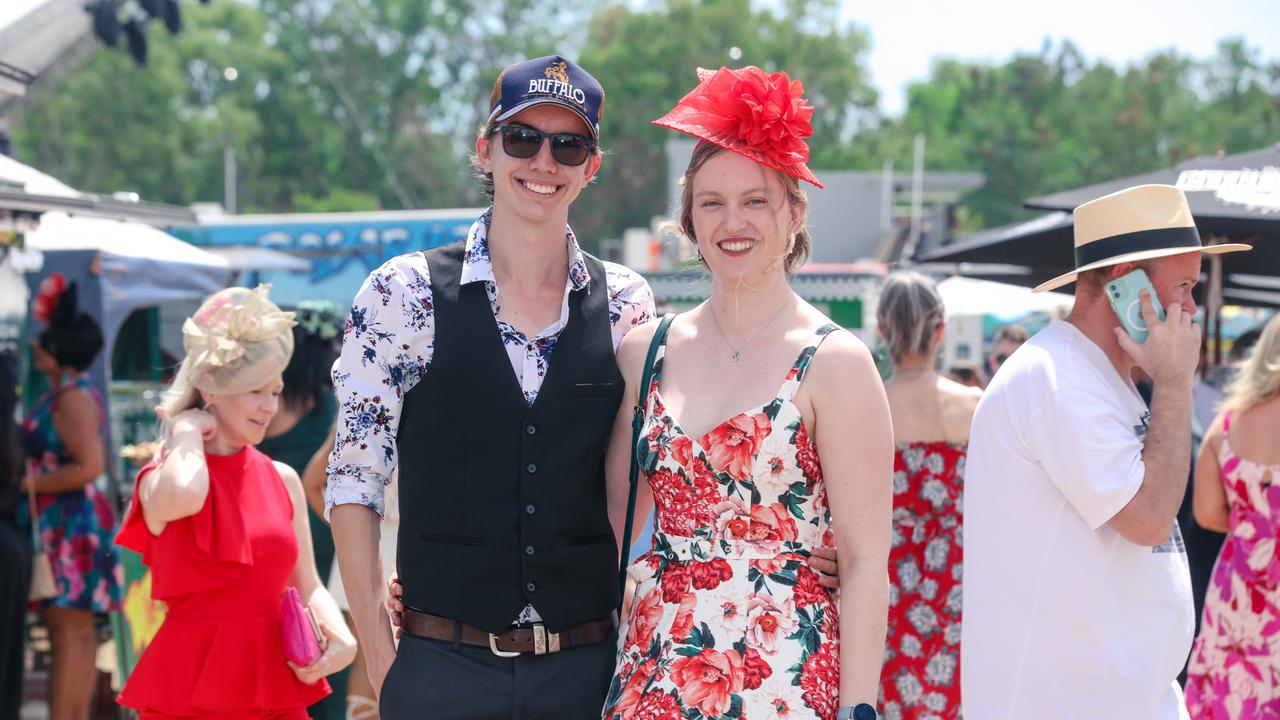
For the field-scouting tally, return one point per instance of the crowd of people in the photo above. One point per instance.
(496, 415)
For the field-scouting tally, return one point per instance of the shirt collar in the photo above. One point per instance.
(477, 266)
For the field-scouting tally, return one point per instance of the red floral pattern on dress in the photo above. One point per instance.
(820, 681)
(755, 668)
(746, 632)
(733, 445)
(807, 455)
(658, 706)
(920, 678)
(708, 680)
(646, 615)
(683, 623)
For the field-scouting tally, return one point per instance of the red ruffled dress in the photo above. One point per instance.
(222, 573)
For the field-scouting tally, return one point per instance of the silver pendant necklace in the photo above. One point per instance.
(736, 352)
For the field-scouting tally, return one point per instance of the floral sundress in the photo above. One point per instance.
(77, 526)
(1235, 662)
(729, 620)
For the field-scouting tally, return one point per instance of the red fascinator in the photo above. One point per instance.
(756, 114)
(46, 300)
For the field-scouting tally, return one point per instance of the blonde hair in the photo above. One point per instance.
(801, 242)
(236, 342)
(1258, 378)
(909, 311)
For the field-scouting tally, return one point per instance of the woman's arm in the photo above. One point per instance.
(1208, 496)
(178, 486)
(314, 477)
(854, 435)
(617, 465)
(341, 650)
(77, 419)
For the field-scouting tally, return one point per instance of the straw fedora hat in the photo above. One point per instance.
(1137, 223)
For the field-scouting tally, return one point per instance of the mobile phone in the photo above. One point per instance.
(1125, 294)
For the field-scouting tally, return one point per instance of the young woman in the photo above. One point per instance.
(65, 452)
(225, 531)
(931, 417)
(766, 434)
(1235, 662)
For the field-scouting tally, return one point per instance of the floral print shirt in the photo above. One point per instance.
(388, 342)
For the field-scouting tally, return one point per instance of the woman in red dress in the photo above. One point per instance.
(931, 417)
(220, 525)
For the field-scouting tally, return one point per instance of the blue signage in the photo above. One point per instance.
(343, 248)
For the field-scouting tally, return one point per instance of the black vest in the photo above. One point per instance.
(503, 504)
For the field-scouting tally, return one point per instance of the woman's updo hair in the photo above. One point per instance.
(801, 241)
(909, 312)
(72, 337)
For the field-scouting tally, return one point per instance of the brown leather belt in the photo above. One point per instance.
(515, 641)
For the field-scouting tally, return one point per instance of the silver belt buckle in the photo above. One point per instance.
(545, 642)
(493, 646)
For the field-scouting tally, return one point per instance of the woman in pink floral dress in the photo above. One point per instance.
(728, 620)
(1235, 662)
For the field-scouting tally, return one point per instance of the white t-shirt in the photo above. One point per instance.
(1064, 617)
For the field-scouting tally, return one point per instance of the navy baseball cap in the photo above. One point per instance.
(547, 80)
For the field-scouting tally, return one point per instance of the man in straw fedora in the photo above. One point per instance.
(1077, 597)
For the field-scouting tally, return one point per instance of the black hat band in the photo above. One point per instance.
(1134, 242)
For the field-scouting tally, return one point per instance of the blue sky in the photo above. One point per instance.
(907, 34)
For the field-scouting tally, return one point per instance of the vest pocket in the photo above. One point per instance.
(587, 390)
(591, 540)
(449, 539)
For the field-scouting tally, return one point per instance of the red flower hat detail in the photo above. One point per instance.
(756, 114)
(47, 297)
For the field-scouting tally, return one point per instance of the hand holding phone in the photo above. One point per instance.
(1125, 295)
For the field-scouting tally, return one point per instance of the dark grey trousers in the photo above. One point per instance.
(438, 680)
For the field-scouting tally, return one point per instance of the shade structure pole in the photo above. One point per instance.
(1213, 303)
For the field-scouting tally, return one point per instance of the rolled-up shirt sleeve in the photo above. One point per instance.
(386, 349)
(630, 300)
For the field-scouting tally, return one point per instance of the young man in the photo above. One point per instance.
(485, 370)
(1077, 599)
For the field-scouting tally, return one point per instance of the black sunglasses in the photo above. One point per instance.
(521, 141)
(1001, 358)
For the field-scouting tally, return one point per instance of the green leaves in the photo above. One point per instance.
(373, 104)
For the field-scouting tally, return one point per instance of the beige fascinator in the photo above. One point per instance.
(237, 341)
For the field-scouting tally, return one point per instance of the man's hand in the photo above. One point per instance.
(1172, 349)
(395, 602)
(824, 562)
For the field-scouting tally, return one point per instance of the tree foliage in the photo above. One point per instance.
(1052, 121)
(367, 104)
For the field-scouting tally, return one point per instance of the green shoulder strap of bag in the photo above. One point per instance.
(637, 426)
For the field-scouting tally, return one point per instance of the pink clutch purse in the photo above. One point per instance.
(303, 641)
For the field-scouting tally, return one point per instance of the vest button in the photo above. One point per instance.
(531, 468)
(531, 587)
(530, 509)
(530, 430)
(528, 550)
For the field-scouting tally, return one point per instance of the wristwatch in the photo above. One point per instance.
(861, 711)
